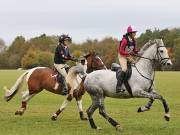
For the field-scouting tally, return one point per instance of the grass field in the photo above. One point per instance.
(36, 120)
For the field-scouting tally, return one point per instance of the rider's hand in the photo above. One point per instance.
(132, 53)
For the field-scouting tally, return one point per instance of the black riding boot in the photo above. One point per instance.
(62, 81)
(120, 80)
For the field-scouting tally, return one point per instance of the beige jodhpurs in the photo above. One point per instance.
(60, 68)
(123, 62)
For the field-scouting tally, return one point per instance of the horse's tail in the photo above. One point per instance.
(9, 94)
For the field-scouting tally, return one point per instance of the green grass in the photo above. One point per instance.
(36, 120)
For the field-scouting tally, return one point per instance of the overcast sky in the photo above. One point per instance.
(84, 19)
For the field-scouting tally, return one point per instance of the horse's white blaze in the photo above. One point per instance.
(31, 71)
(101, 61)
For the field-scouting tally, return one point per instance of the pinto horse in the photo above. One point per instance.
(93, 62)
(40, 78)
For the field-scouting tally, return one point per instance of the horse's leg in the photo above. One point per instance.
(105, 115)
(80, 108)
(63, 106)
(146, 107)
(26, 97)
(90, 112)
(154, 95)
(78, 97)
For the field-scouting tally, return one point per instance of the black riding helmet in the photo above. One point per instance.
(64, 37)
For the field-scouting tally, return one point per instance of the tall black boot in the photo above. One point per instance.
(120, 80)
(62, 81)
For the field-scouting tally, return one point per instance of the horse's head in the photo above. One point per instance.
(78, 69)
(94, 62)
(162, 55)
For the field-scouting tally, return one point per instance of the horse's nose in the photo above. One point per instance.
(169, 63)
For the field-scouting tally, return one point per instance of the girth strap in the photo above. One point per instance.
(128, 87)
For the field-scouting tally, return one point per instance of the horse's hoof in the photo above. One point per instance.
(54, 117)
(98, 128)
(84, 119)
(64, 93)
(19, 113)
(16, 113)
(143, 109)
(167, 117)
(119, 128)
(139, 110)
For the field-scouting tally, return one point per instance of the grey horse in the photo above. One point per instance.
(102, 83)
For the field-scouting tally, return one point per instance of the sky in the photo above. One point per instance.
(84, 19)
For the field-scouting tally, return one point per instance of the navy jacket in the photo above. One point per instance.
(61, 55)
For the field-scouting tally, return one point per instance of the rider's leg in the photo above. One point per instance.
(61, 77)
(120, 78)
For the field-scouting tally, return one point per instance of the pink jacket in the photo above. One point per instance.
(122, 48)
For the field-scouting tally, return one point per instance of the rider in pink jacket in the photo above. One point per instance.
(127, 47)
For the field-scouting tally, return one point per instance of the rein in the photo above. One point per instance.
(151, 80)
(160, 59)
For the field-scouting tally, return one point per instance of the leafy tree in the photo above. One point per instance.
(2, 45)
(38, 51)
(35, 58)
(16, 51)
(176, 54)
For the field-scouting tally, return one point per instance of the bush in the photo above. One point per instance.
(35, 58)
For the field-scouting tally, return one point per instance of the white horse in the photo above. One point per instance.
(102, 83)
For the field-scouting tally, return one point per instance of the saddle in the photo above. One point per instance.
(117, 68)
(59, 78)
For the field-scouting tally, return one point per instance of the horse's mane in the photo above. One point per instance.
(146, 46)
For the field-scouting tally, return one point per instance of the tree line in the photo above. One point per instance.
(39, 51)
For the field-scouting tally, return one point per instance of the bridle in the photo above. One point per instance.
(159, 58)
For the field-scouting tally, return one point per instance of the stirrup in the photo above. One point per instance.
(119, 90)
